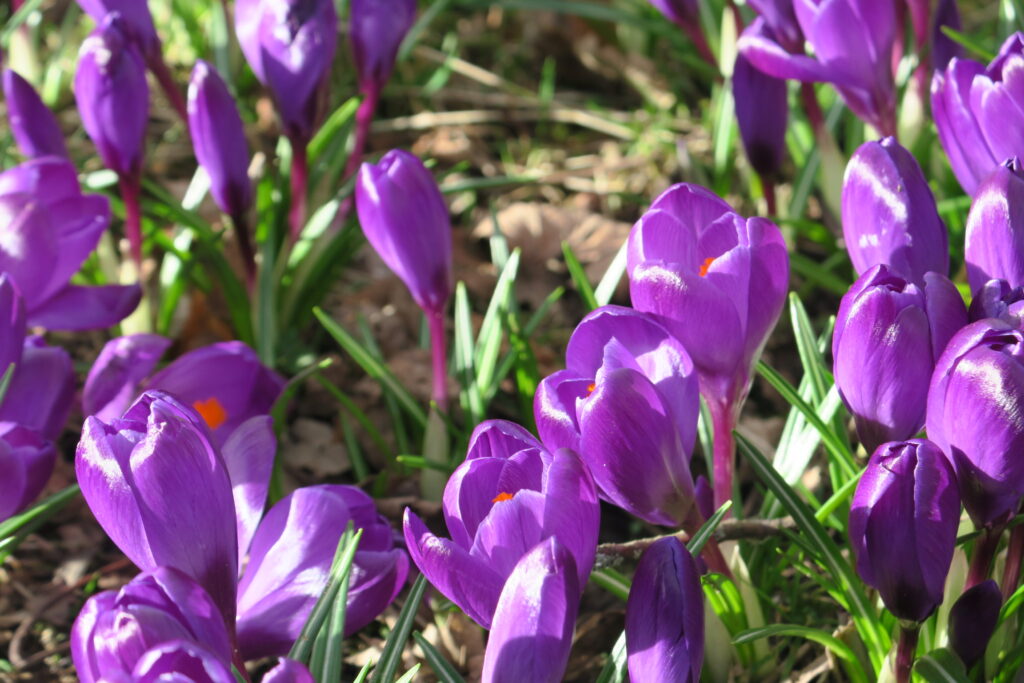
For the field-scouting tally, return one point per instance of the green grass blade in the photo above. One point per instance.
(612, 581)
(836, 646)
(38, 512)
(703, 535)
(614, 670)
(472, 401)
(612, 277)
(941, 666)
(445, 672)
(391, 656)
(488, 342)
(579, 277)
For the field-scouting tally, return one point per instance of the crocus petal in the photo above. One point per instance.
(12, 323)
(762, 112)
(182, 661)
(376, 30)
(973, 619)
(499, 439)
(572, 512)
(994, 242)
(288, 671)
(114, 378)
(44, 411)
(29, 459)
(249, 457)
(77, 307)
(32, 123)
(554, 408)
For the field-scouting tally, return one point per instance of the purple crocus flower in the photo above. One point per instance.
(889, 214)
(762, 111)
(628, 402)
(535, 618)
(853, 46)
(377, 28)
(48, 229)
(115, 630)
(114, 379)
(886, 323)
(996, 299)
(973, 619)
(994, 243)
(665, 616)
(290, 561)
(137, 22)
(944, 48)
(33, 125)
(781, 21)
(288, 671)
(509, 495)
(977, 112)
(975, 400)
(218, 138)
(406, 221)
(113, 98)
(181, 660)
(27, 462)
(903, 522)
(44, 412)
(12, 323)
(290, 46)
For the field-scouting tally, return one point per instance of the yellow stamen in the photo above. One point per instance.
(212, 412)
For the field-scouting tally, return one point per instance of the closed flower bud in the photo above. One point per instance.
(762, 112)
(32, 123)
(218, 138)
(406, 221)
(889, 335)
(889, 214)
(27, 462)
(138, 22)
(377, 30)
(903, 522)
(994, 243)
(973, 619)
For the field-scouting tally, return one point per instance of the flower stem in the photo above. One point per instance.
(905, 649)
(981, 558)
(723, 422)
(241, 224)
(364, 119)
(439, 355)
(300, 181)
(812, 108)
(1014, 555)
(130, 189)
(768, 187)
(163, 76)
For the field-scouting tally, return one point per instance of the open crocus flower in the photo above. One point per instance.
(977, 111)
(509, 495)
(628, 402)
(853, 45)
(47, 230)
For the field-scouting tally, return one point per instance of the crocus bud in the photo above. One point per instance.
(114, 631)
(290, 45)
(889, 335)
(762, 111)
(47, 230)
(137, 21)
(113, 380)
(975, 400)
(996, 299)
(665, 616)
(889, 214)
(994, 243)
(860, 69)
(218, 138)
(162, 493)
(486, 504)
(406, 221)
(973, 619)
(903, 522)
(535, 618)
(290, 560)
(32, 123)
(692, 258)
(377, 28)
(113, 98)
(27, 462)
(944, 48)
(44, 412)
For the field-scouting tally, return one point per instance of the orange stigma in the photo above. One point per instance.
(212, 412)
(502, 497)
(704, 266)
(590, 388)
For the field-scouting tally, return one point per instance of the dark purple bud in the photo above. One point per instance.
(903, 522)
(32, 123)
(975, 401)
(762, 111)
(290, 46)
(691, 257)
(113, 381)
(944, 48)
(978, 112)
(113, 98)
(994, 243)
(27, 462)
(665, 616)
(218, 138)
(161, 491)
(114, 631)
(138, 22)
(498, 506)
(290, 560)
(885, 323)
(679, 11)
(996, 299)
(406, 221)
(973, 619)
(889, 214)
(43, 411)
(377, 28)
(535, 618)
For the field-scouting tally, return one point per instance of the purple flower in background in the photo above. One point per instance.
(903, 522)
(944, 48)
(509, 495)
(853, 46)
(32, 123)
(290, 46)
(26, 461)
(12, 323)
(535, 618)
(975, 401)
(665, 616)
(406, 221)
(290, 561)
(994, 243)
(47, 230)
(678, 11)
(978, 113)
(781, 20)
(377, 28)
(973, 619)
(114, 631)
(43, 411)
(114, 378)
(996, 299)
(112, 95)
(137, 22)
(288, 671)
(762, 111)
(889, 214)
(218, 138)
(889, 335)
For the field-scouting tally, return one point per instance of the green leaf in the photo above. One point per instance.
(409, 675)
(391, 656)
(612, 581)
(941, 666)
(968, 42)
(614, 670)
(836, 646)
(488, 343)
(41, 511)
(445, 672)
(611, 278)
(703, 534)
(471, 400)
(579, 277)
